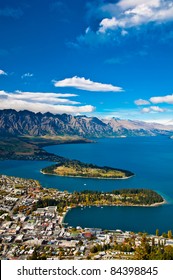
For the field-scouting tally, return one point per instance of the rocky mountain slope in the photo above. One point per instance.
(132, 128)
(28, 123)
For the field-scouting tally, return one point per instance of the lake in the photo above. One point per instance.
(150, 158)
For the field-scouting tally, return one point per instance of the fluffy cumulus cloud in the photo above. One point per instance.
(86, 84)
(133, 13)
(162, 99)
(2, 72)
(167, 99)
(140, 102)
(153, 109)
(42, 102)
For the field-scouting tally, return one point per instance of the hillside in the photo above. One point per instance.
(26, 123)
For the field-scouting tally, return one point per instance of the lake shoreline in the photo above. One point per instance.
(64, 223)
(134, 153)
(123, 205)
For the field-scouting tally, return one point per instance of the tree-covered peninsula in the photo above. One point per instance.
(122, 197)
(79, 169)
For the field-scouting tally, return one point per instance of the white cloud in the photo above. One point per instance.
(125, 18)
(125, 4)
(43, 94)
(157, 109)
(124, 33)
(162, 99)
(132, 13)
(27, 75)
(140, 102)
(153, 109)
(145, 110)
(42, 102)
(164, 121)
(2, 72)
(50, 98)
(86, 84)
(109, 23)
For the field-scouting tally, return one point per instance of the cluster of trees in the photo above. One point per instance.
(153, 252)
(147, 250)
(144, 196)
(87, 197)
(128, 247)
(61, 204)
(164, 234)
(127, 196)
(49, 169)
(98, 248)
(36, 255)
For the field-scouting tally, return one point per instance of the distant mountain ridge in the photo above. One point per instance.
(129, 127)
(24, 123)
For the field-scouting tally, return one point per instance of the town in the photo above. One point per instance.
(32, 227)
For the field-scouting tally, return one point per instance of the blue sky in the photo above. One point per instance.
(98, 58)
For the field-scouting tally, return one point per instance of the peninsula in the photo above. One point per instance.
(79, 169)
(32, 148)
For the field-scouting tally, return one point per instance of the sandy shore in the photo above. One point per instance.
(64, 215)
(159, 203)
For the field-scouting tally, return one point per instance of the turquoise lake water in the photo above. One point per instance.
(150, 158)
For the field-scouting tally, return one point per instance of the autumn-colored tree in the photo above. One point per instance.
(169, 234)
(142, 252)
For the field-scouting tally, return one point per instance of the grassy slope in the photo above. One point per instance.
(86, 171)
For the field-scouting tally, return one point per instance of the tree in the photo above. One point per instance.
(43, 257)
(169, 234)
(157, 232)
(152, 242)
(143, 251)
(8, 218)
(168, 253)
(94, 250)
(80, 243)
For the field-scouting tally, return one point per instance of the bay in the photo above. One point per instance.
(136, 219)
(150, 158)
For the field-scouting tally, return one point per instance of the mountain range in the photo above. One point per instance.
(27, 123)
